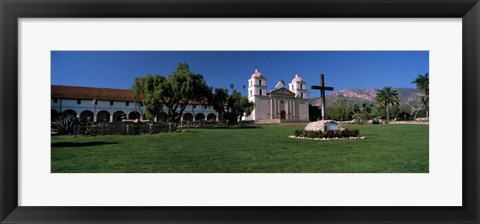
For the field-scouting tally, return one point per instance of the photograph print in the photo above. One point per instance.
(239, 111)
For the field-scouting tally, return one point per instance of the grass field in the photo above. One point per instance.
(267, 149)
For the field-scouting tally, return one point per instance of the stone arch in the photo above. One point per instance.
(86, 116)
(70, 112)
(134, 115)
(211, 117)
(162, 117)
(119, 115)
(103, 116)
(53, 114)
(188, 117)
(200, 117)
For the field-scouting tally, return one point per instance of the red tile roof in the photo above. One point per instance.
(90, 93)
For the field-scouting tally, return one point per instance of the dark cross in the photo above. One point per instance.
(322, 89)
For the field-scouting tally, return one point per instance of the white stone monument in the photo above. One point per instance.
(323, 125)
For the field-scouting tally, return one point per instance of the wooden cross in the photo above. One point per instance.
(322, 89)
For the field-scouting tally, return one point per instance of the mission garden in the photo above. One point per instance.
(179, 124)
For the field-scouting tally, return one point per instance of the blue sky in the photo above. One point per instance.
(342, 69)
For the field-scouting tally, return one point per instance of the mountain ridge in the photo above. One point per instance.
(408, 96)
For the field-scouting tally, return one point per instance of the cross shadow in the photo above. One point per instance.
(81, 144)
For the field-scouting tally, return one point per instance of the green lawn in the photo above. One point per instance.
(267, 149)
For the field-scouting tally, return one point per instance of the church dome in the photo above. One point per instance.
(297, 79)
(257, 74)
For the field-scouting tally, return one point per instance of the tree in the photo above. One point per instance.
(238, 107)
(423, 84)
(187, 88)
(386, 97)
(340, 110)
(219, 101)
(231, 107)
(145, 90)
(179, 89)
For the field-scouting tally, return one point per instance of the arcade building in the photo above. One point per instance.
(99, 105)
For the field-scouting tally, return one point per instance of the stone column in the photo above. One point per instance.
(95, 118)
(111, 118)
(285, 104)
(277, 108)
(274, 108)
(292, 108)
(288, 110)
(271, 108)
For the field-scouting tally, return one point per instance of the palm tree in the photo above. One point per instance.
(386, 97)
(422, 83)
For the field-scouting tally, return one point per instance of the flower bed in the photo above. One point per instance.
(328, 135)
(293, 136)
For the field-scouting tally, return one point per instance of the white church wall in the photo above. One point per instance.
(262, 108)
(303, 110)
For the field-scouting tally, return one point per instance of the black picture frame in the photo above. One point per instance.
(11, 11)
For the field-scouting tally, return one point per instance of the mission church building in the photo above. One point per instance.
(113, 105)
(279, 105)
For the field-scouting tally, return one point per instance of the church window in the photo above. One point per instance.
(111, 102)
(301, 86)
(127, 104)
(260, 83)
(251, 92)
(55, 100)
(301, 95)
(79, 101)
(250, 83)
(205, 107)
(260, 92)
(194, 106)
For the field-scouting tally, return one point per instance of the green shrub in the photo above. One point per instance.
(64, 124)
(328, 134)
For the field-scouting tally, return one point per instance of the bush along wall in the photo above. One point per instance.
(328, 134)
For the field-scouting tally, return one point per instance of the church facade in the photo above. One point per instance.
(281, 104)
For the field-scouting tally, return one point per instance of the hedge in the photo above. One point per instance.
(328, 134)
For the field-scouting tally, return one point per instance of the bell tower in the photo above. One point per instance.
(299, 87)
(257, 85)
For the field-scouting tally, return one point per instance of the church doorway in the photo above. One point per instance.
(283, 115)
